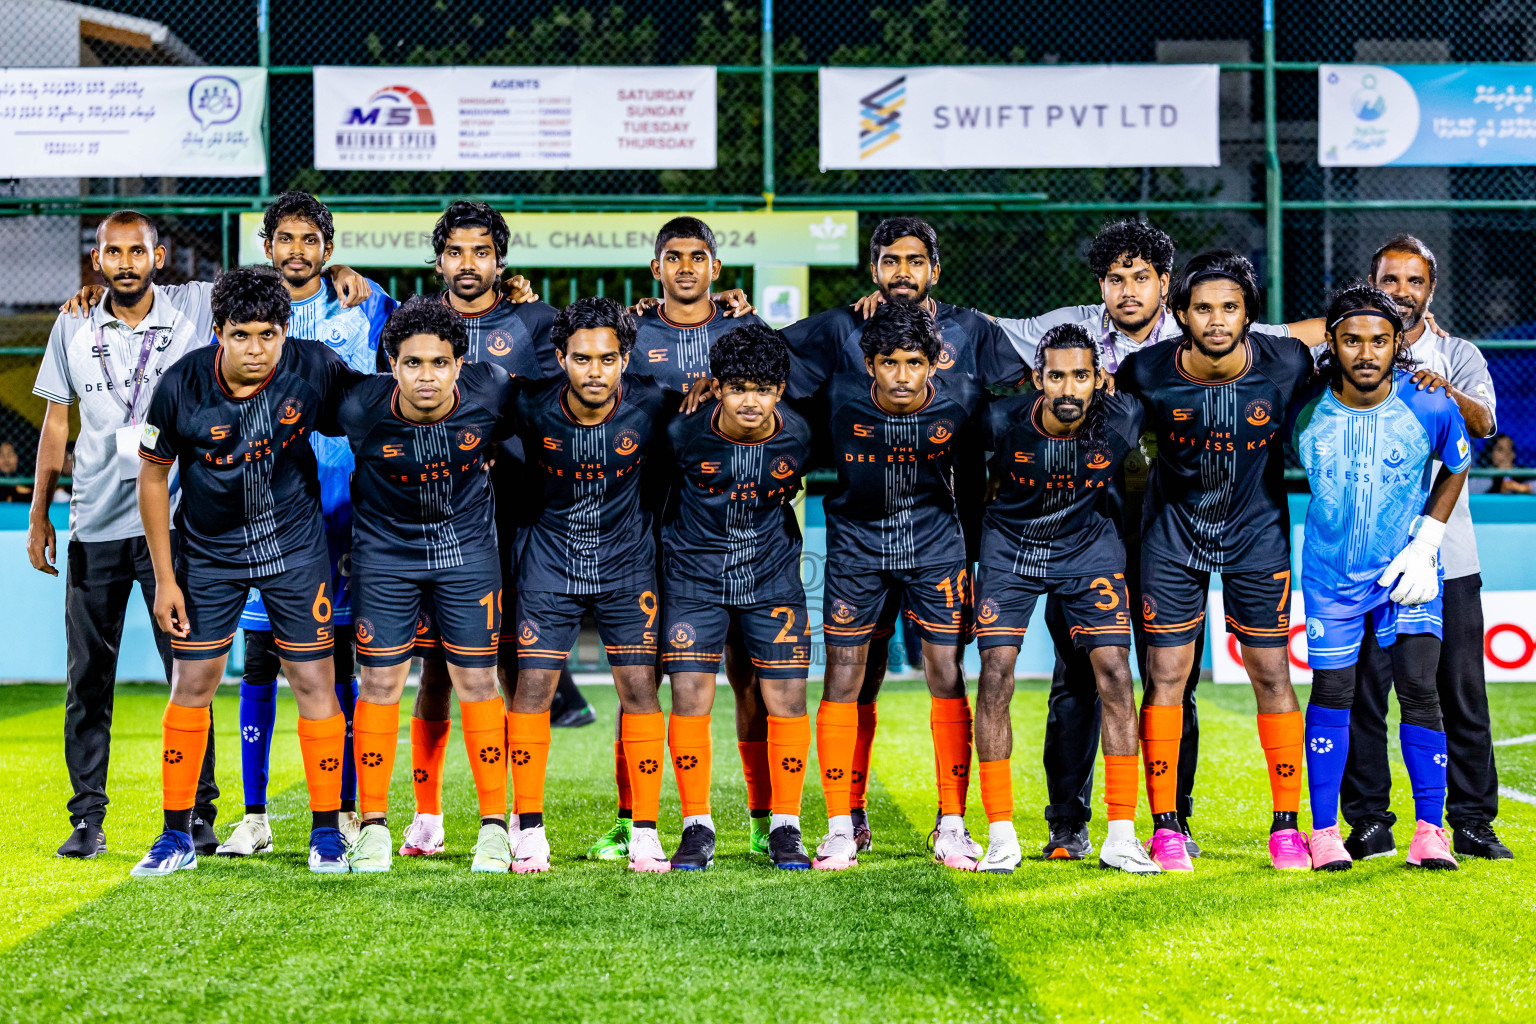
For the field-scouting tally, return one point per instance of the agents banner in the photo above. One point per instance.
(194, 122)
(1157, 115)
(1426, 115)
(815, 238)
(498, 118)
(1509, 626)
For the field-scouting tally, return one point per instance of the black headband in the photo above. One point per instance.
(1391, 318)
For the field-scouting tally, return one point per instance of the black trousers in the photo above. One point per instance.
(1473, 782)
(98, 581)
(1073, 713)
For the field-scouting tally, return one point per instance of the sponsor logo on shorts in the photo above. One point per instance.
(423, 624)
(987, 613)
(941, 432)
(626, 442)
(499, 343)
(469, 437)
(783, 468)
(1258, 413)
(364, 630)
(291, 410)
(1314, 628)
(682, 635)
(527, 632)
(1148, 609)
(841, 612)
(1098, 458)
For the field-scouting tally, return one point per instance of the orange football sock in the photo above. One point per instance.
(997, 789)
(789, 748)
(950, 720)
(837, 732)
(688, 736)
(1281, 736)
(645, 738)
(528, 750)
(754, 768)
(429, 745)
(485, 740)
(1161, 730)
(375, 733)
(621, 779)
(1120, 786)
(183, 742)
(322, 745)
(858, 779)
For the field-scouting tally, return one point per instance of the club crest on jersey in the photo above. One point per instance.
(292, 409)
(527, 632)
(364, 630)
(1257, 413)
(1098, 458)
(841, 613)
(682, 635)
(499, 343)
(1314, 628)
(469, 437)
(1148, 609)
(946, 357)
(626, 442)
(783, 468)
(942, 432)
(1395, 457)
(987, 613)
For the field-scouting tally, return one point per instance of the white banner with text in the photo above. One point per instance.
(1158, 115)
(500, 118)
(130, 122)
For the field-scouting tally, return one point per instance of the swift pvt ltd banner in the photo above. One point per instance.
(1161, 115)
(501, 118)
(132, 122)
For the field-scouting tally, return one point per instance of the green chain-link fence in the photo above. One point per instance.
(1013, 239)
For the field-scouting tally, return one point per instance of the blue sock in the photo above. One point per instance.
(346, 695)
(1424, 754)
(1327, 753)
(258, 716)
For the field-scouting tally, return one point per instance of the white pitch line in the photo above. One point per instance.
(1515, 794)
(1529, 737)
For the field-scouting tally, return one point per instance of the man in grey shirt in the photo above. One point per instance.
(1405, 269)
(110, 360)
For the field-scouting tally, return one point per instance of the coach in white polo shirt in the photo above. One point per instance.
(110, 360)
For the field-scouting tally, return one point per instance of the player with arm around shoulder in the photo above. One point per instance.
(1368, 440)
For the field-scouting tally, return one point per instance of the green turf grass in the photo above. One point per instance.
(898, 938)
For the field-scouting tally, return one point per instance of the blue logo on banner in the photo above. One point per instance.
(214, 99)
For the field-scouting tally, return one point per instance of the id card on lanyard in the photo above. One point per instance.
(130, 433)
(1109, 353)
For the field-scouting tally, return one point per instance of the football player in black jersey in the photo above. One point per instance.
(590, 549)
(234, 418)
(732, 563)
(1058, 454)
(894, 540)
(1215, 402)
(425, 530)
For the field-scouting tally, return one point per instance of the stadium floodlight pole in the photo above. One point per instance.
(264, 58)
(767, 46)
(1272, 224)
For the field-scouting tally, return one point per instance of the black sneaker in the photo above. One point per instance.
(1190, 846)
(204, 840)
(1069, 841)
(574, 718)
(85, 842)
(1477, 839)
(1370, 839)
(786, 850)
(696, 850)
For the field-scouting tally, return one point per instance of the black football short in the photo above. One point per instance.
(773, 632)
(936, 601)
(1258, 604)
(547, 625)
(299, 607)
(1096, 607)
(462, 606)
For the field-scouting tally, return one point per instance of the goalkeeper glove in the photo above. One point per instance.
(1416, 569)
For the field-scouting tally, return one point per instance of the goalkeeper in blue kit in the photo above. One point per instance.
(1368, 440)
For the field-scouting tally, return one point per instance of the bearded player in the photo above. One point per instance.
(1370, 560)
(1215, 402)
(1058, 458)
